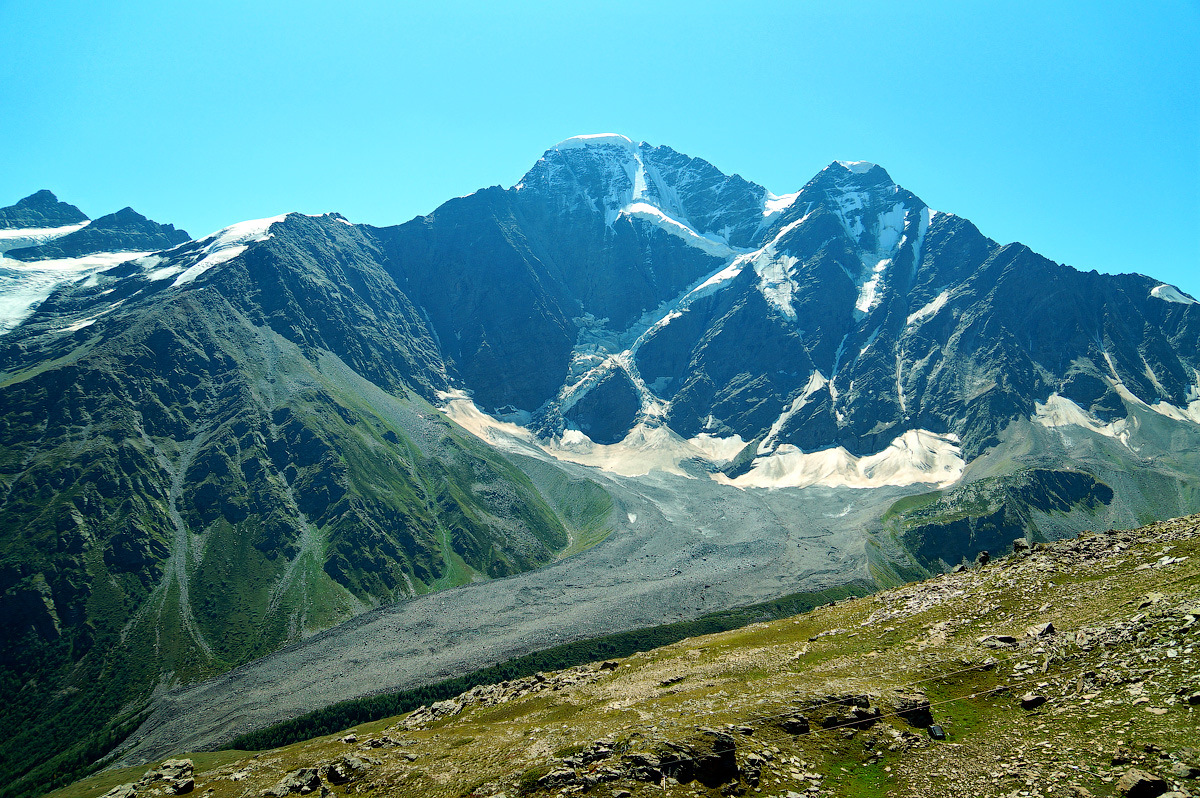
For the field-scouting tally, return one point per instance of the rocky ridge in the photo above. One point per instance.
(1068, 669)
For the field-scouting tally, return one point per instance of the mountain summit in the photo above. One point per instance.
(40, 209)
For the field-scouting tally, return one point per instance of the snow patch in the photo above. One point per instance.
(33, 236)
(1059, 411)
(929, 310)
(227, 244)
(79, 325)
(857, 167)
(25, 286)
(773, 205)
(1190, 413)
(718, 449)
(595, 140)
(891, 228)
(649, 213)
(916, 457)
(774, 269)
(868, 292)
(816, 383)
(1169, 293)
(923, 223)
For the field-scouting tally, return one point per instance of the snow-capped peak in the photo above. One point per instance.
(857, 167)
(596, 140)
(219, 247)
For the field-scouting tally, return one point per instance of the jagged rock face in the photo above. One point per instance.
(40, 209)
(845, 315)
(123, 231)
(607, 412)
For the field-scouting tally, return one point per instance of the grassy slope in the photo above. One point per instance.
(1116, 674)
(305, 496)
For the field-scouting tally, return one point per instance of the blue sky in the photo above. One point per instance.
(1072, 127)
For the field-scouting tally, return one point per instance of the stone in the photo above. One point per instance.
(182, 786)
(170, 770)
(937, 732)
(561, 777)
(1183, 770)
(913, 706)
(1020, 546)
(794, 724)
(1040, 630)
(343, 770)
(1140, 784)
(302, 781)
(643, 766)
(998, 641)
(350, 738)
(1031, 701)
(121, 791)
(708, 757)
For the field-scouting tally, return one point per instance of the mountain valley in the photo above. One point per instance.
(301, 461)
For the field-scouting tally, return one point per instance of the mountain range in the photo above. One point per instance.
(679, 390)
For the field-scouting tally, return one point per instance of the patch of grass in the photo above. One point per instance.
(527, 782)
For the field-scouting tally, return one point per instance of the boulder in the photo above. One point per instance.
(1040, 630)
(998, 641)
(122, 791)
(171, 770)
(1031, 701)
(752, 769)
(1183, 770)
(709, 757)
(911, 705)
(794, 723)
(182, 786)
(302, 781)
(344, 769)
(643, 766)
(1140, 784)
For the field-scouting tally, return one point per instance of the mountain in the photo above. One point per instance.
(123, 231)
(992, 681)
(707, 394)
(45, 243)
(40, 210)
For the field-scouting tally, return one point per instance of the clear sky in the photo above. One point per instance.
(1073, 127)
